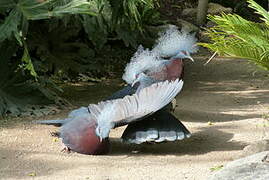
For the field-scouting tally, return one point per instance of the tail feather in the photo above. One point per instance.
(160, 127)
(57, 122)
(82, 111)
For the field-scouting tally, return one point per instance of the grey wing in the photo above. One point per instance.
(131, 108)
(127, 90)
(78, 112)
(82, 111)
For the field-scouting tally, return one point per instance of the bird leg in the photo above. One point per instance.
(174, 105)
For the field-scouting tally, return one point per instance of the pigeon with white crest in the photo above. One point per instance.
(172, 44)
(164, 62)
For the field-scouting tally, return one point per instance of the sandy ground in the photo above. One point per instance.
(231, 94)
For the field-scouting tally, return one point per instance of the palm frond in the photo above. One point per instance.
(237, 37)
(259, 10)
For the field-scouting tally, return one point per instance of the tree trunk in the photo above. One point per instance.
(202, 12)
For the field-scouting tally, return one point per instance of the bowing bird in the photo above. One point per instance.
(86, 130)
(163, 62)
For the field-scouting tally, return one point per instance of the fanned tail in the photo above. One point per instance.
(160, 127)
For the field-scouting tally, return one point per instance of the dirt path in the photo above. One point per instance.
(226, 93)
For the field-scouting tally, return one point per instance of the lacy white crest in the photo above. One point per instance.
(172, 41)
(142, 60)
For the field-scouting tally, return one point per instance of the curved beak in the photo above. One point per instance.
(135, 81)
(189, 57)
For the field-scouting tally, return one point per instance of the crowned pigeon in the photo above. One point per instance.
(149, 66)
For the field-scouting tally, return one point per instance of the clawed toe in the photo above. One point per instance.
(66, 149)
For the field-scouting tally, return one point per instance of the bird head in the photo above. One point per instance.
(138, 78)
(143, 80)
(102, 114)
(102, 133)
(184, 55)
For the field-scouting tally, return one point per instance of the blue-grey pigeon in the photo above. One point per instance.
(149, 66)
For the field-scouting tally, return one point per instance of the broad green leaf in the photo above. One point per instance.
(10, 25)
(34, 10)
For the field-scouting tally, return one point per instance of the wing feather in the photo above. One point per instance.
(131, 108)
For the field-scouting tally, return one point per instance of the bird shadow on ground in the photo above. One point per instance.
(204, 141)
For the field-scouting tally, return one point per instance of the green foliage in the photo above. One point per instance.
(15, 26)
(28, 65)
(237, 37)
(16, 23)
(259, 10)
(119, 20)
(10, 26)
(43, 9)
(44, 38)
(130, 11)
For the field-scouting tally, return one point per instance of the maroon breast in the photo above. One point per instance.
(171, 71)
(79, 136)
(175, 69)
(89, 143)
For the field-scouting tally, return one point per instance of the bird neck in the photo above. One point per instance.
(175, 69)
